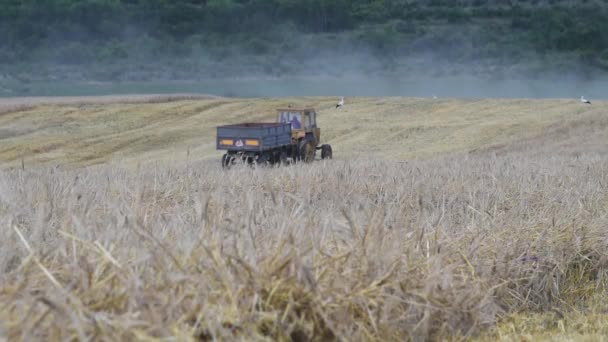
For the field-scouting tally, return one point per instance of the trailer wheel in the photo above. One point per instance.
(326, 152)
(264, 159)
(226, 161)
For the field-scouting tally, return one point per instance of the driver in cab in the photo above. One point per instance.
(295, 123)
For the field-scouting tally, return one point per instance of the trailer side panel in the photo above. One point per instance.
(253, 137)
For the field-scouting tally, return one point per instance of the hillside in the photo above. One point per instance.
(119, 41)
(78, 133)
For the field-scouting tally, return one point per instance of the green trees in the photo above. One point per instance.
(73, 31)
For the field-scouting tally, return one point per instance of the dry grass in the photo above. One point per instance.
(502, 240)
(357, 250)
(10, 104)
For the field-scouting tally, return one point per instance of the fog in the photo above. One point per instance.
(402, 58)
(447, 86)
(344, 70)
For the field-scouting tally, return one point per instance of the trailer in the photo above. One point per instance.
(261, 143)
(293, 137)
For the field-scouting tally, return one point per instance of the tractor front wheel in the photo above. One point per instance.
(307, 151)
(326, 152)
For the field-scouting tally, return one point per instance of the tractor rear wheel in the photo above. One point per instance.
(326, 152)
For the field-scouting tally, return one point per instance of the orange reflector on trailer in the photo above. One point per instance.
(249, 142)
(226, 142)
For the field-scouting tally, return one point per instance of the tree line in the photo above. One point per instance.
(29, 28)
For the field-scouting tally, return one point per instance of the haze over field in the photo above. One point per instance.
(350, 84)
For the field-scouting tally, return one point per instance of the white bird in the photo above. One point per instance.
(584, 100)
(340, 103)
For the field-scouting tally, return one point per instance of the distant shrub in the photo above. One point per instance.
(112, 51)
(603, 59)
(406, 26)
(521, 23)
(457, 15)
(257, 46)
(382, 38)
(74, 53)
(7, 56)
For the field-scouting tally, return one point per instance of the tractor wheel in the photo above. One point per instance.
(307, 151)
(326, 152)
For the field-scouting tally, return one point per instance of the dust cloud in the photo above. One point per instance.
(311, 66)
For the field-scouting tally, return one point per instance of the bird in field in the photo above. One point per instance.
(584, 100)
(340, 103)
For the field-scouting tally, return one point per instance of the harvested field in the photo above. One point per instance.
(10, 103)
(476, 219)
(80, 134)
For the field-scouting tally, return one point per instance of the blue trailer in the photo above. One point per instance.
(255, 142)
